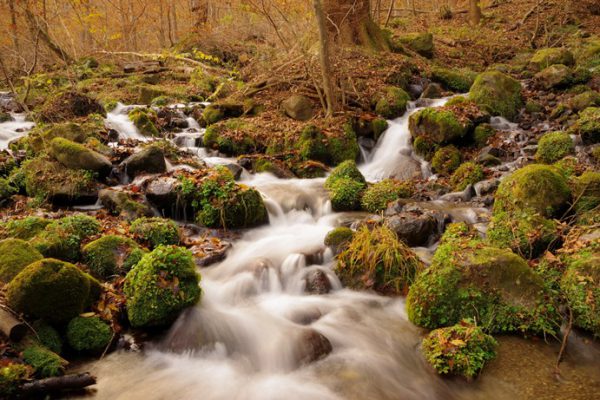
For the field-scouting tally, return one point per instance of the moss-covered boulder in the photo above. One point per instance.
(342, 145)
(156, 231)
(25, 228)
(586, 191)
(312, 145)
(377, 260)
(66, 106)
(76, 156)
(461, 349)
(145, 121)
(482, 133)
(584, 100)
(420, 43)
(45, 363)
(378, 195)
(89, 335)
(62, 238)
(392, 103)
(53, 290)
(544, 58)
(470, 280)
(588, 125)
(41, 136)
(459, 81)
(347, 169)
(439, 125)
(160, 286)
(498, 94)
(539, 188)
(338, 238)
(47, 336)
(468, 173)
(554, 77)
(233, 137)
(346, 185)
(553, 146)
(150, 160)
(446, 160)
(15, 255)
(128, 205)
(111, 255)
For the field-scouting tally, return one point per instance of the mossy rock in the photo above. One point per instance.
(554, 77)
(553, 146)
(343, 146)
(5, 117)
(446, 160)
(338, 238)
(346, 194)
(378, 195)
(539, 188)
(89, 335)
(586, 191)
(456, 80)
(468, 173)
(15, 255)
(47, 336)
(232, 137)
(346, 170)
(527, 234)
(544, 58)
(53, 290)
(438, 125)
(45, 363)
(392, 104)
(156, 231)
(584, 100)
(581, 286)
(12, 376)
(41, 136)
(420, 43)
(482, 133)
(312, 145)
(111, 255)
(462, 349)
(212, 115)
(494, 286)
(145, 121)
(6, 190)
(497, 93)
(588, 125)
(62, 238)
(76, 156)
(160, 286)
(148, 93)
(128, 205)
(377, 260)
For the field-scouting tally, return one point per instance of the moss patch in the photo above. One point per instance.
(111, 255)
(15, 255)
(88, 335)
(379, 195)
(156, 231)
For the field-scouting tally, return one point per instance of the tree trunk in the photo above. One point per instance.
(200, 9)
(13, 26)
(324, 58)
(349, 22)
(474, 12)
(39, 28)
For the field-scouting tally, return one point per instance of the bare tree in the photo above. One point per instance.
(200, 9)
(324, 57)
(475, 11)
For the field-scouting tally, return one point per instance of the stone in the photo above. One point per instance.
(298, 107)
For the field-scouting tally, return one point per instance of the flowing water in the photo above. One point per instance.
(13, 130)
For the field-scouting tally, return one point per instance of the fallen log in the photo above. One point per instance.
(11, 327)
(58, 384)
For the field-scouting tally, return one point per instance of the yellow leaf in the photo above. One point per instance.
(458, 343)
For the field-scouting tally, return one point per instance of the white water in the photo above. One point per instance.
(12, 130)
(118, 119)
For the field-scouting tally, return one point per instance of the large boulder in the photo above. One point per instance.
(298, 107)
(89, 335)
(160, 286)
(439, 125)
(156, 231)
(15, 255)
(416, 226)
(378, 195)
(62, 238)
(421, 43)
(127, 204)
(150, 160)
(111, 255)
(76, 156)
(456, 80)
(346, 185)
(392, 103)
(494, 286)
(555, 76)
(52, 290)
(498, 94)
(588, 126)
(554, 146)
(544, 58)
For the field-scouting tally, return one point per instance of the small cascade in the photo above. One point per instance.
(13, 130)
(118, 119)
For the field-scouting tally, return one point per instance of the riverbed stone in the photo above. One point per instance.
(150, 160)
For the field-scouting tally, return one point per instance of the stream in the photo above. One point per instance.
(250, 336)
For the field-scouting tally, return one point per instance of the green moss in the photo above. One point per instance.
(544, 58)
(586, 191)
(468, 173)
(438, 125)
(346, 170)
(5, 117)
(378, 126)
(456, 100)
(377, 196)
(52, 290)
(144, 121)
(312, 145)
(588, 125)
(15, 255)
(392, 103)
(47, 336)
(553, 146)
(89, 335)
(204, 82)
(160, 286)
(421, 43)
(525, 233)
(62, 238)
(6, 190)
(343, 147)
(497, 93)
(11, 378)
(568, 166)
(580, 102)
(377, 260)
(456, 80)
(76, 156)
(156, 231)
(539, 188)
(45, 363)
(338, 237)
(231, 137)
(212, 115)
(462, 349)
(111, 255)
(533, 107)
(446, 160)
(424, 147)
(482, 133)
(345, 194)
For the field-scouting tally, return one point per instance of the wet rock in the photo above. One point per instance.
(76, 156)
(312, 346)
(367, 143)
(432, 91)
(150, 160)
(9, 104)
(464, 196)
(298, 107)
(163, 193)
(126, 204)
(486, 187)
(417, 227)
(210, 252)
(317, 282)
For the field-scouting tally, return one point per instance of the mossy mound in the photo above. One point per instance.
(6, 190)
(588, 125)
(145, 121)
(544, 58)
(392, 104)
(89, 335)
(377, 260)
(343, 146)
(553, 146)
(47, 336)
(378, 195)
(468, 173)
(45, 363)
(446, 160)
(52, 290)
(76, 156)
(312, 145)
(233, 137)
(25, 228)
(527, 234)
(459, 81)
(346, 170)
(497, 93)
(15, 255)
(62, 238)
(586, 191)
(439, 125)
(539, 188)
(462, 349)
(420, 43)
(160, 286)
(584, 100)
(156, 231)
(554, 77)
(346, 194)
(470, 280)
(482, 133)
(111, 255)
(338, 237)
(67, 106)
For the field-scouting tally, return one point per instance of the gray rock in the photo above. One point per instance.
(298, 107)
(150, 160)
(317, 282)
(417, 227)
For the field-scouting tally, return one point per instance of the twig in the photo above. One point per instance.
(563, 346)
